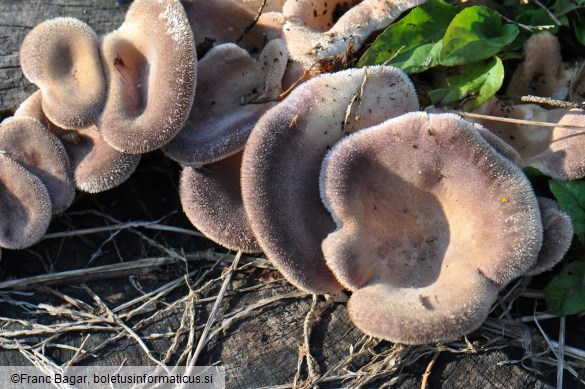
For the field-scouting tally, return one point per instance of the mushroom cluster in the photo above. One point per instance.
(341, 181)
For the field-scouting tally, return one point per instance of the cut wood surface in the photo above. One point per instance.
(262, 322)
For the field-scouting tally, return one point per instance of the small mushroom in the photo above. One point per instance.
(62, 57)
(282, 158)
(555, 151)
(542, 72)
(233, 91)
(431, 224)
(33, 146)
(96, 166)
(150, 64)
(25, 206)
(212, 201)
(557, 236)
(316, 30)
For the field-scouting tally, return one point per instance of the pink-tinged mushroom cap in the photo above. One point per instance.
(32, 145)
(25, 206)
(150, 64)
(431, 223)
(557, 236)
(542, 72)
(225, 21)
(558, 152)
(96, 166)
(499, 145)
(282, 159)
(233, 91)
(62, 57)
(212, 200)
(315, 30)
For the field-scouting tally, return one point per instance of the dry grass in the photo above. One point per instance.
(367, 361)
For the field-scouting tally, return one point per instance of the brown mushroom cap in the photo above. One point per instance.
(557, 236)
(431, 223)
(96, 166)
(315, 30)
(33, 146)
(542, 73)
(282, 158)
(150, 64)
(25, 206)
(224, 21)
(556, 151)
(212, 201)
(62, 57)
(233, 91)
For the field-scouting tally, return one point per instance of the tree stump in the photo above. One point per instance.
(259, 349)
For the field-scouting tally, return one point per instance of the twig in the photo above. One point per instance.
(425, 378)
(123, 226)
(211, 318)
(126, 328)
(116, 270)
(518, 121)
(550, 14)
(250, 26)
(561, 355)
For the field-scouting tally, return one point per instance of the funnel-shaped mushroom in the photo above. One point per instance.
(431, 223)
(25, 206)
(558, 152)
(282, 158)
(557, 236)
(96, 166)
(233, 91)
(29, 143)
(542, 72)
(62, 57)
(316, 30)
(225, 21)
(150, 64)
(211, 199)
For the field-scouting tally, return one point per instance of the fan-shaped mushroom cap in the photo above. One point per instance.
(499, 145)
(282, 158)
(225, 21)
(315, 30)
(62, 57)
(424, 258)
(233, 91)
(558, 152)
(212, 200)
(541, 73)
(24, 205)
(557, 236)
(96, 166)
(29, 143)
(150, 63)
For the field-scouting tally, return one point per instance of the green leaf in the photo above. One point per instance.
(578, 23)
(571, 198)
(565, 294)
(475, 83)
(413, 44)
(475, 34)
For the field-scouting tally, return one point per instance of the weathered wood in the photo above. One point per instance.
(259, 349)
(17, 18)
